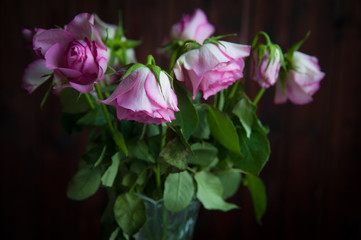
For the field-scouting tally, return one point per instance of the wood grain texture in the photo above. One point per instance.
(312, 178)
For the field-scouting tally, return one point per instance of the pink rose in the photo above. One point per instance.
(302, 82)
(194, 27)
(212, 67)
(76, 54)
(139, 97)
(265, 71)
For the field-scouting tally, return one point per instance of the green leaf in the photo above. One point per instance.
(95, 117)
(187, 117)
(84, 183)
(134, 67)
(114, 234)
(210, 192)
(178, 191)
(101, 157)
(73, 101)
(175, 154)
(223, 130)
(255, 150)
(258, 193)
(139, 149)
(203, 154)
(202, 130)
(129, 212)
(244, 110)
(230, 181)
(110, 174)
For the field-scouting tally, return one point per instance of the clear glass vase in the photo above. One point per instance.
(162, 224)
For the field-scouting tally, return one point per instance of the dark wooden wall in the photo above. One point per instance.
(312, 178)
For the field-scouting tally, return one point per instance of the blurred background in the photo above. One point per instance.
(314, 173)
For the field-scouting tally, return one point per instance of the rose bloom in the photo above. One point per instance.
(266, 72)
(76, 55)
(195, 27)
(302, 82)
(139, 97)
(212, 67)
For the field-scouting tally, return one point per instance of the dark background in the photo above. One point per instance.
(312, 178)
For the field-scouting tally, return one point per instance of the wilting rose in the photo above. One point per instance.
(212, 67)
(302, 82)
(195, 27)
(139, 97)
(77, 55)
(265, 71)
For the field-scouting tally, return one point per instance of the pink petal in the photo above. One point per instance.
(46, 39)
(82, 27)
(281, 95)
(82, 88)
(233, 50)
(295, 93)
(55, 56)
(35, 74)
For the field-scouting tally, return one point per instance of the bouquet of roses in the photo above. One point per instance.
(186, 133)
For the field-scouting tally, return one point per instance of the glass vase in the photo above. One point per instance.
(162, 224)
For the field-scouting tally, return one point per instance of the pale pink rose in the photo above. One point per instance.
(302, 82)
(139, 97)
(77, 55)
(212, 67)
(195, 27)
(265, 72)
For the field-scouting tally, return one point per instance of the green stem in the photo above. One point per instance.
(104, 108)
(233, 90)
(117, 136)
(259, 95)
(90, 102)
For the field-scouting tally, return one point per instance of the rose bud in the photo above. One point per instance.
(301, 82)
(195, 27)
(140, 97)
(212, 67)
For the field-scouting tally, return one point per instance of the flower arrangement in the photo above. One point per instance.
(185, 133)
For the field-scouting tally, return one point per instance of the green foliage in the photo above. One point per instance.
(129, 212)
(111, 172)
(245, 111)
(175, 154)
(210, 192)
(223, 130)
(231, 181)
(187, 117)
(178, 191)
(258, 193)
(73, 101)
(203, 154)
(202, 130)
(255, 150)
(84, 183)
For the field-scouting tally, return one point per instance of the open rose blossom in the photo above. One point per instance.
(195, 27)
(212, 67)
(76, 55)
(302, 82)
(265, 71)
(139, 97)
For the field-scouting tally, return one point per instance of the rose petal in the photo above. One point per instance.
(35, 74)
(55, 56)
(46, 39)
(295, 93)
(82, 27)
